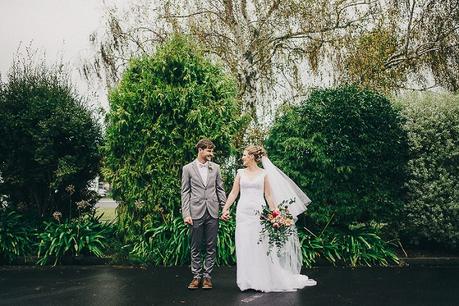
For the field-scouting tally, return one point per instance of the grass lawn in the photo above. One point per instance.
(109, 213)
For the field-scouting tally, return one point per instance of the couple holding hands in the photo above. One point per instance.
(203, 194)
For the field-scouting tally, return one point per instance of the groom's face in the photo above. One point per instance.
(206, 154)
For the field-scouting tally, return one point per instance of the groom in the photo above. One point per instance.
(202, 194)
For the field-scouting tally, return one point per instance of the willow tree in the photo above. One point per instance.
(413, 45)
(278, 49)
(264, 44)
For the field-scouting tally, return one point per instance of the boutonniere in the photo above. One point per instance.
(210, 167)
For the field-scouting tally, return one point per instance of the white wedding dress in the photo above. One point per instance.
(255, 269)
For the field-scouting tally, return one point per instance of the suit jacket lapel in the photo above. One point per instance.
(195, 167)
(210, 170)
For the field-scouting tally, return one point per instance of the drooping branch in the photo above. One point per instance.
(266, 43)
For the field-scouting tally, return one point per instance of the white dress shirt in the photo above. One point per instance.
(203, 170)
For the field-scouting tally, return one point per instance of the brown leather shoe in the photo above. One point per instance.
(194, 283)
(207, 283)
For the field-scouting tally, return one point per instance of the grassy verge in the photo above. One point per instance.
(108, 213)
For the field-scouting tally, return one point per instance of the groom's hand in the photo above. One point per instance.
(225, 216)
(188, 220)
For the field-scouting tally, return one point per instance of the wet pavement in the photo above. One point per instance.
(123, 285)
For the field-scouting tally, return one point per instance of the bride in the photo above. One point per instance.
(279, 271)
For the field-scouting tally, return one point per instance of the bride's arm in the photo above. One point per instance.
(233, 194)
(268, 195)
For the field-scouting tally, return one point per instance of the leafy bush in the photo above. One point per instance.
(226, 247)
(359, 246)
(48, 141)
(16, 236)
(431, 212)
(163, 105)
(168, 244)
(79, 236)
(346, 149)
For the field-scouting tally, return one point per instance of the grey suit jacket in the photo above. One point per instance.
(197, 196)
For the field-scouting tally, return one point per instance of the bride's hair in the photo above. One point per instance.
(257, 151)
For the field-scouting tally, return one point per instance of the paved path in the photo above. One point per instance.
(117, 285)
(106, 202)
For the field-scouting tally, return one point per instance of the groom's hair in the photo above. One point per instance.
(204, 144)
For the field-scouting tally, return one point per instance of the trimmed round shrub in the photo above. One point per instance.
(49, 142)
(431, 212)
(163, 105)
(346, 149)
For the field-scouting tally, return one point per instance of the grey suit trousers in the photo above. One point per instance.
(203, 236)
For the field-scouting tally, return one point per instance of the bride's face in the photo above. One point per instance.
(247, 159)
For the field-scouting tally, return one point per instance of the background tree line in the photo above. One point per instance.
(277, 49)
(380, 167)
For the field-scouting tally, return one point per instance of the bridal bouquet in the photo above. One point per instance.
(277, 226)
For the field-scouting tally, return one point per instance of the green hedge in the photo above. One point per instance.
(49, 141)
(163, 105)
(431, 213)
(346, 149)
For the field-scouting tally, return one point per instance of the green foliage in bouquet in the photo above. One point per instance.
(431, 212)
(277, 226)
(49, 140)
(346, 149)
